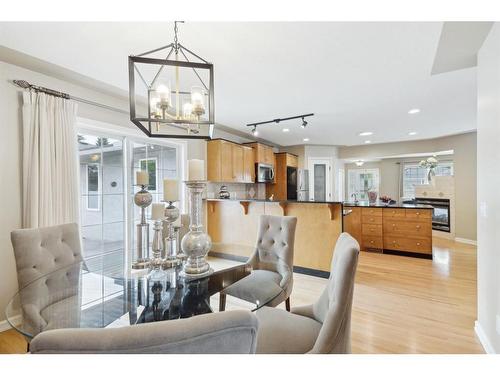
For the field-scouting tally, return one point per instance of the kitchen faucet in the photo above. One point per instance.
(355, 195)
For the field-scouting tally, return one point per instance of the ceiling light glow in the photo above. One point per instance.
(306, 139)
(412, 133)
(286, 130)
(365, 134)
(413, 111)
(368, 141)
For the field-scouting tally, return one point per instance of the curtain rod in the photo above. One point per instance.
(26, 85)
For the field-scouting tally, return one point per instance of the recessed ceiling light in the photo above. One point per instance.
(286, 130)
(306, 139)
(413, 111)
(368, 141)
(412, 133)
(365, 134)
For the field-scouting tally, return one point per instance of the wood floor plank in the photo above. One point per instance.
(401, 304)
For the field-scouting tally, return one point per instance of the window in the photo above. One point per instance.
(361, 181)
(93, 200)
(413, 175)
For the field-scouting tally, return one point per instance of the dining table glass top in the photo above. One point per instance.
(79, 296)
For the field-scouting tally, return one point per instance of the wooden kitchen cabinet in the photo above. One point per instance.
(229, 162)
(262, 153)
(248, 165)
(391, 228)
(279, 189)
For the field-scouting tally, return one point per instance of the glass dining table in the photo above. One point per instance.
(79, 296)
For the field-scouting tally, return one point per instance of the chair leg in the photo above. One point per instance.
(222, 302)
(287, 304)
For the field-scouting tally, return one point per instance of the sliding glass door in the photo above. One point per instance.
(102, 210)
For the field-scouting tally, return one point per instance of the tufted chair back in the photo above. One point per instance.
(39, 251)
(333, 308)
(274, 248)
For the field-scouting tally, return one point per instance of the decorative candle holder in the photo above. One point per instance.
(156, 263)
(196, 243)
(169, 241)
(143, 199)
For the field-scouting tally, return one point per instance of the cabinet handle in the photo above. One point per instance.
(417, 213)
(394, 242)
(418, 226)
(393, 225)
(371, 241)
(371, 219)
(418, 243)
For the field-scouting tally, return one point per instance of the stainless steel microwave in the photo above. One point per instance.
(264, 172)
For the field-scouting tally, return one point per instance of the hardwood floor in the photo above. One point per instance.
(401, 304)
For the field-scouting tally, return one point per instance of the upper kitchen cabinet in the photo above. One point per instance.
(229, 162)
(262, 153)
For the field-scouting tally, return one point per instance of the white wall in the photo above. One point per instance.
(488, 193)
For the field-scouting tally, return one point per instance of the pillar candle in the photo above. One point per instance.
(158, 211)
(196, 170)
(142, 177)
(170, 190)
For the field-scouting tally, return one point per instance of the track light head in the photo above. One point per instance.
(304, 123)
(255, 132)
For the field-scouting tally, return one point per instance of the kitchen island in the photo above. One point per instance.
(232, 224)
(400, 228)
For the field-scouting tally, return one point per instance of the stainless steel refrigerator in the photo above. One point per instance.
(302, 185)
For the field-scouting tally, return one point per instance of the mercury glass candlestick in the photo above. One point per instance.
(156, 263)
(143, 199)
(196, 243)
(169, 243)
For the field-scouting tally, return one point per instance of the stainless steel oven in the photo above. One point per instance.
(440, 214)
(264, 172)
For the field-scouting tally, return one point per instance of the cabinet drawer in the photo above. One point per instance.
(371, 230)
(371, 219)
(373, 242)
(394, 212)
(414, 229)
(369, 211)
(408, 244)
(418, 214)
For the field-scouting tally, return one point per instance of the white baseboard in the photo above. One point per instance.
(485, 342)
(466, 240)
(5, 326)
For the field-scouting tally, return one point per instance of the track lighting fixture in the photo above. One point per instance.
(255, 132)
(304, 123)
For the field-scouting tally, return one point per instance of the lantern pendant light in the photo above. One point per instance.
(160, 110)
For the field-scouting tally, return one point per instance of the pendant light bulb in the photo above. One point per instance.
(255, 132)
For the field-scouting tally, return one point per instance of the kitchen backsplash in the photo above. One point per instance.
(237, 191)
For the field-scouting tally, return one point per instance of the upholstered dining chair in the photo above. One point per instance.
(272, 264)
(228, 332)
(323, 327)
(38, 252)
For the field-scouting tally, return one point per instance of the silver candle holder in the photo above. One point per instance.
(143, 199)
(156, 262)
(196, 243)
(169, 239)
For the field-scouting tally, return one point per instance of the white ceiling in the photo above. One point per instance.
(354, 76)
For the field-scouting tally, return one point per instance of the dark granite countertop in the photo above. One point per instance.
(268, 201)
(385, 205)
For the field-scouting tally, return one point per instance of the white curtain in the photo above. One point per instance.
(50, 162)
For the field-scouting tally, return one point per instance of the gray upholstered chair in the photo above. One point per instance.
(38, 252)
(272, 265)
(218, 333)
(323, 327)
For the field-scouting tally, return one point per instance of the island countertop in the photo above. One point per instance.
(267, 200)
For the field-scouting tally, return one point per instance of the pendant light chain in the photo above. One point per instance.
(176, 39)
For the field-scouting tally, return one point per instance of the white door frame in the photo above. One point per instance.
(328, 161)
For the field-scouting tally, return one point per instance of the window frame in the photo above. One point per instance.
(358, 171)
(99, 190)
(416, 165)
